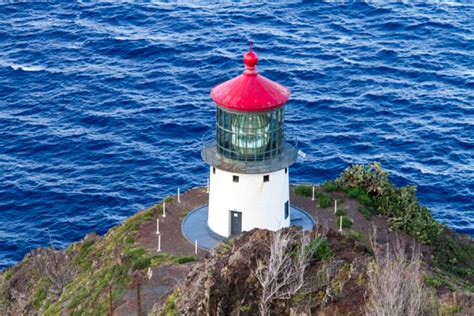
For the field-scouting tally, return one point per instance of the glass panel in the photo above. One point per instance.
(249, 136)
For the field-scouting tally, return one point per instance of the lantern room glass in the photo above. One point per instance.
(249, 136)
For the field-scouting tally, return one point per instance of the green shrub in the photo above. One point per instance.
(330, 186)
(304, 190)
(340, 212)
(324, 200)
(454, 255)
(184, 259)
(355, 192)
(320, 249)
(135, 253)
(140, 263)
(364, 199)
(138, 259)
(346, 222)
(366, 211)
(372, 178)
(370, 186)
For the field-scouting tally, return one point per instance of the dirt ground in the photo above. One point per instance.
(165, 277)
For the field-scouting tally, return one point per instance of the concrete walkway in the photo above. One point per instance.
(194, 226)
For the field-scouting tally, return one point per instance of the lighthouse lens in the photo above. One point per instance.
(249, 136)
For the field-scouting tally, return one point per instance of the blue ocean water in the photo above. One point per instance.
(103, 105)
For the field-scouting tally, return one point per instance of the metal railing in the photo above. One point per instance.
(284, 159)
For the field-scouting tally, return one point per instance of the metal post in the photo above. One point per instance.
(159, 243)
(157, 226)
(312, 199)
(179, 200)
(340, 223)
(335, 206)
(164, 209)
(195, 247)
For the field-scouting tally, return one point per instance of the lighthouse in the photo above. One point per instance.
(249, 157)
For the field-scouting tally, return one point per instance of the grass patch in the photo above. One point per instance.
(40, 294)
(359, 237)
(168, 199)
(432, 281)
(305, 190)
(8, 274)
(184, 259)
(367, 212)
(330, 186)
(320, 249)
(340, 212)
(346, 221)
(170, 305)
(324, 200)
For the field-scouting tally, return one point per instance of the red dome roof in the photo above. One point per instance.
(250, 92)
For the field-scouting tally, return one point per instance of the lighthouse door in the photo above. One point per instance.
(235, 222)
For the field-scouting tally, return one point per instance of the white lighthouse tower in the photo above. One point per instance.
(249, 158)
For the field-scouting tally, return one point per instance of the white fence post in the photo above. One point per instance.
(157, 226)
(195, 247)
(312, 199)
(335, 206)
(340, 223)
(164, 209)
(179, 200)
(159, 243)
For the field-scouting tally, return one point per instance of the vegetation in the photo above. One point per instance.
(40, 293)
(78, 278)
(305, 190)
(340, 212)
(281, 274)
(395, 282)
(170, 307)
(320, 249)
(329, 186)
(324, 200)
(371, 186)
(346, 221)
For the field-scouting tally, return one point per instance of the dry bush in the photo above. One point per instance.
(395, 281)
(282, 274)
(58, 267)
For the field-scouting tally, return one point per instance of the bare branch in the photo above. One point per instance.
(282, 274)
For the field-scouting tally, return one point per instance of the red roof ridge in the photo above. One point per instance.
(250, 92)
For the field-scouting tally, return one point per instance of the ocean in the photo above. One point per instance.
(103, 105)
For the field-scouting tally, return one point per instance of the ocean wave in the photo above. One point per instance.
(103, 105)
(27, 68)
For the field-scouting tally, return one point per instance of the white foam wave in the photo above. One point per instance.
(27, 68)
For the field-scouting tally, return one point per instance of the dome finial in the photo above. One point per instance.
(250, 60)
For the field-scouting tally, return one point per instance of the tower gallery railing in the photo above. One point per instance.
(248, 164)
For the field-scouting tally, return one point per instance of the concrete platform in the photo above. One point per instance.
(194, 226)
